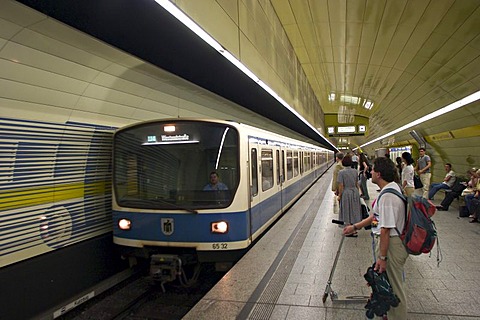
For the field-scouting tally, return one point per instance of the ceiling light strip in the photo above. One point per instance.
(453, 106)
(189, 23)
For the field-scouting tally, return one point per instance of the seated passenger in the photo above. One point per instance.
(474, 206)
(214, 184)
(472, 173)
(458, 190)
(472, 198)
(447, 182)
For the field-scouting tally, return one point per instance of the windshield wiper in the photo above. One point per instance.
(144, 203)
(175, 206)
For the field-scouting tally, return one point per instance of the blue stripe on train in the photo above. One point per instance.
(196, 227)
(186, 227)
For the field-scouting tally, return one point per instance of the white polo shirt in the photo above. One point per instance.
(389, 212)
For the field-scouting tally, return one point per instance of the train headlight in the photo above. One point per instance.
(124, 224)
(219, 227)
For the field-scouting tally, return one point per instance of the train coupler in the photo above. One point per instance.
(165, 268)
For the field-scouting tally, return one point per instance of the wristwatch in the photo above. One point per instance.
(383, 258)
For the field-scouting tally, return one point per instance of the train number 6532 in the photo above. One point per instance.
(219, 246)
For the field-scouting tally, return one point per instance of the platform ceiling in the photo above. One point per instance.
(406, 57)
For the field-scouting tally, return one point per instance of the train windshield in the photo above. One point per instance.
(182, 165)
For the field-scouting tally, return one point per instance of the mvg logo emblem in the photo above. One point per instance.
(167, 226)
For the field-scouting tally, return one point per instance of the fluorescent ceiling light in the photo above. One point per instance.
(182, 17)
(457, 104)
(349, 99)
(367, 104)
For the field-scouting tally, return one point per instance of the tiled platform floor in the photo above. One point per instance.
(285, 274)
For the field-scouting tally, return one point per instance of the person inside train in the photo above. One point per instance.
(407, 174)
(447, 182)
(214, 183)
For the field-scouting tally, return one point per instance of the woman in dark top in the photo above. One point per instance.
(364, 167)
(399, 166)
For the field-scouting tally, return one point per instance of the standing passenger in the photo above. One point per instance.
(338, 166)
(348, 195)
(399, 165)
(423, 169)
(407, 174)
(355, 161)
(388, 216)
(364, 167)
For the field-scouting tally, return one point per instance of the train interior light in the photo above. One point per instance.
(169, 128)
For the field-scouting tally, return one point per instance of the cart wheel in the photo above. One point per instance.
(370, 314)
(324, 298)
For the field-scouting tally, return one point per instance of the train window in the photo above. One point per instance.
(153, 169)
(254, 168)
(306, 160)
(282, 160)
(267, 169)
(295, 163)
(289, 165)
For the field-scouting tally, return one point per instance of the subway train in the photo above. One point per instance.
(54, 186)
(166, 210)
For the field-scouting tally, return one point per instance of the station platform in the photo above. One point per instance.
(285, 274)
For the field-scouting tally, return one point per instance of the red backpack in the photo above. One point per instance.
(419, 233)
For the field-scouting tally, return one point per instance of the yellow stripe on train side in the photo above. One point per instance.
(26, 197)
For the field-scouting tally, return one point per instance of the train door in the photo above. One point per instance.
(280, 171)
(253, 185)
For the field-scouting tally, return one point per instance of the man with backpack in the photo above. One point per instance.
(387, 218)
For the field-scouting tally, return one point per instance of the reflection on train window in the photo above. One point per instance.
(289, 165)
(295, 163)
(253, 159)
(267, 169)
(306, 161)
(171, 174)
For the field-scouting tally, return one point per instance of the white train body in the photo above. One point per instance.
(160, 170)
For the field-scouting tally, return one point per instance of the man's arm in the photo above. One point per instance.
(429, 164)
(381, 265)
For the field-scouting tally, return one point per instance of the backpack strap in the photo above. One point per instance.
(398, 194)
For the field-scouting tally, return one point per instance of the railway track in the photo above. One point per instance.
(141, 298)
